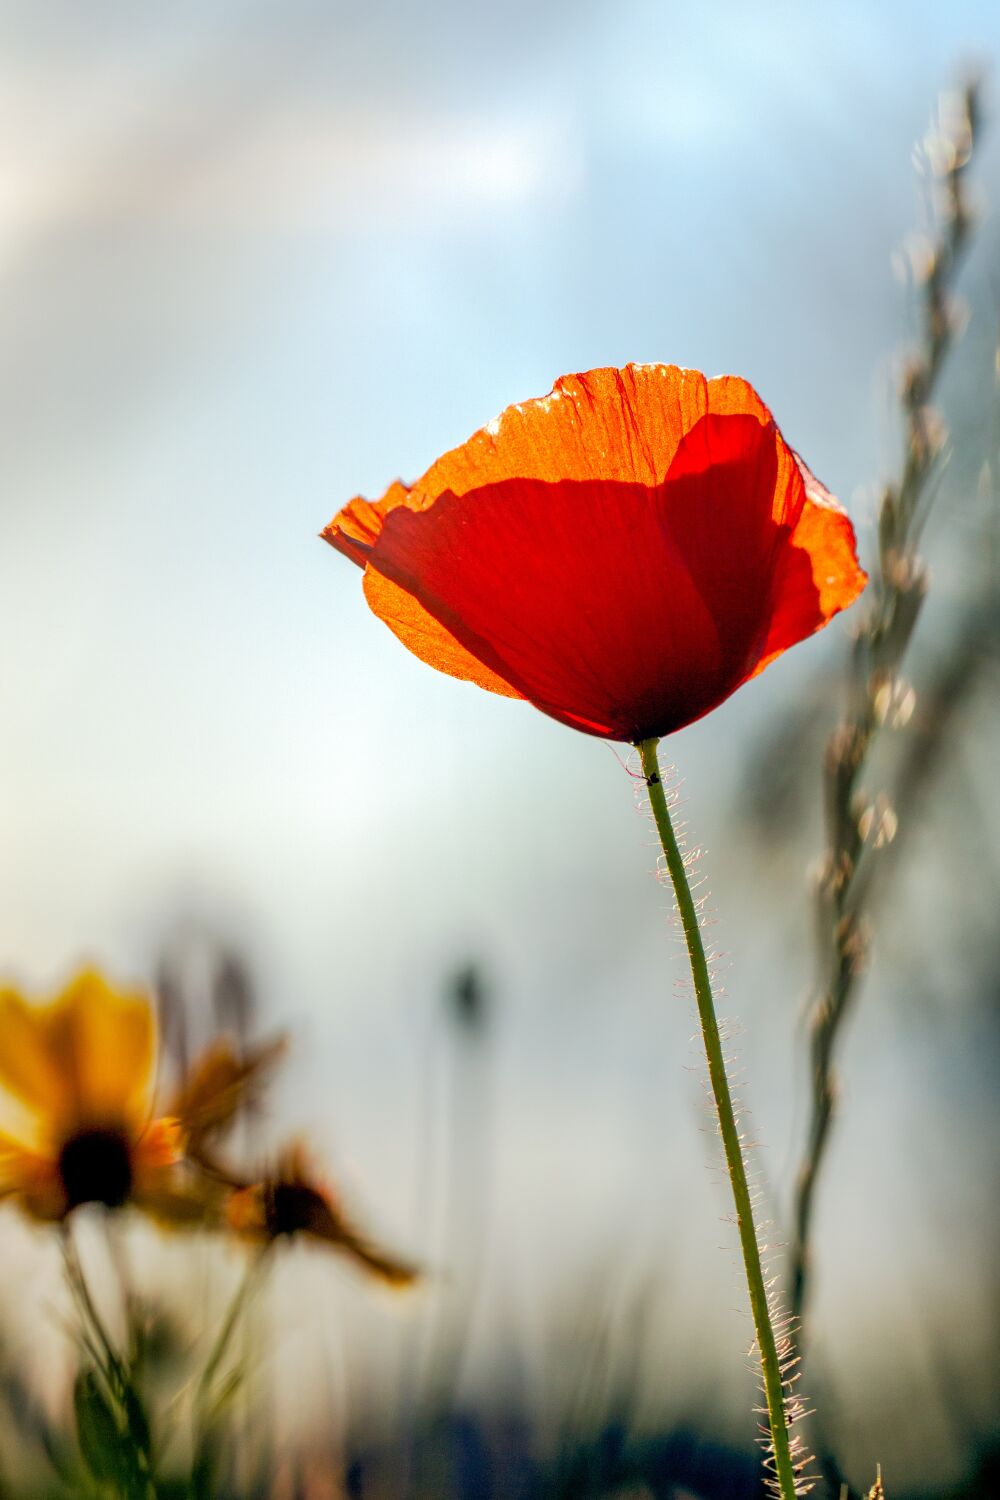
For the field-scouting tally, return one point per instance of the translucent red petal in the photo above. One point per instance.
(624, 553)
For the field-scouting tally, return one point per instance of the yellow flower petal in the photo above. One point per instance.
(336, 1230)
(220, 1083)
(111, 1039)
(291, 1204)
(85, 1056)
(176, 1198)
(159, 1147)
(32, 1180)
(14, 1158)
(246, 1212)
(28, 1068)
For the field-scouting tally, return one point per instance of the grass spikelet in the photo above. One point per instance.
(861, 827)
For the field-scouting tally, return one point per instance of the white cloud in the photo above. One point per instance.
(286, 169)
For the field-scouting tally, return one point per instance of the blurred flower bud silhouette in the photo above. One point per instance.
(291, 1203)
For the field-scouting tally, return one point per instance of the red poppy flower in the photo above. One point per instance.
(624, 553)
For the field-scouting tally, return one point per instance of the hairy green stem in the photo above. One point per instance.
(784, 1467)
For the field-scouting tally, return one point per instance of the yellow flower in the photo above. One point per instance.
(81, 1068)
(291, 1202)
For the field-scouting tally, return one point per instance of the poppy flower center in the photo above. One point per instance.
(95, 1166)
(292, 1208)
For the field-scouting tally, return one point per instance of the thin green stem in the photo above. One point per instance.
(115, 1391)
(92, 1324)
(229, 1322)
(208, 1407)
(784, 1467)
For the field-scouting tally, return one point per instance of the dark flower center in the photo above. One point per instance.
(95, 1166)
(293, 1208)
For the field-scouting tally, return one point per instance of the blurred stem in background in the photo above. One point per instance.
(470, 1181)
(435, 1353)
(213, 1398)
(785, 1459)
(858, 825)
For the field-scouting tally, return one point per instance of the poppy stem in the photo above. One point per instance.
(774, 1389)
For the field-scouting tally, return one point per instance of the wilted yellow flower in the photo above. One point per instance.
(81, 1067)
(220, 1084)
(291, 1202)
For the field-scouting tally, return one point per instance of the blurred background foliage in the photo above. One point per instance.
(256, 260)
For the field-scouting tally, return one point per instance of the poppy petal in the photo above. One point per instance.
(623, 552)
(734, 495)
(816, 576)
(426, 637)
(676, 579)
(604, 424)
(575, 594)
(355, 529)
